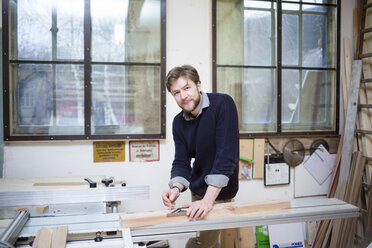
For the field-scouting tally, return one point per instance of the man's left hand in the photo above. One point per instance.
(198, 209)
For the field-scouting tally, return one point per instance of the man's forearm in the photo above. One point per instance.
(211, 193)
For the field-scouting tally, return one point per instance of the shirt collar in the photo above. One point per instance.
(204, 104)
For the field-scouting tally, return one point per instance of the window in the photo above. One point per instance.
(279, 61)
(84, 69)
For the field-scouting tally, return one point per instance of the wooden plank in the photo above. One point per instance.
(245, 150)
(344, 229)
(337, 224)
(229, 209)
(42, 209)
(350, 122)
(344, 93)
(327, 235)
(320, 233)
(228, 237)
(246, 237)
(259, 158)
(43, 238)
(347, 61)
(357, 179)
(59, 237)
(355, 29)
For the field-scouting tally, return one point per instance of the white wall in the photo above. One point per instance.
(188, 41)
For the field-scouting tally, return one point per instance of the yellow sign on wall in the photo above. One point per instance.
(109, 151)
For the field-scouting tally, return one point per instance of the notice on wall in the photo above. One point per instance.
(109, 151)
(144, 151)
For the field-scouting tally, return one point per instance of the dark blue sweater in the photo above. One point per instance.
(213, 140)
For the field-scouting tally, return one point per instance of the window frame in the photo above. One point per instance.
(279, 67)
(87, 63)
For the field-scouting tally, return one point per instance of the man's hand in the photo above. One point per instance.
(198, 209)
(170, 196)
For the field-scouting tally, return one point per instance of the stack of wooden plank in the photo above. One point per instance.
(356, 232)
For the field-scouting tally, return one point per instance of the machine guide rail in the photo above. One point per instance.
(82, 229)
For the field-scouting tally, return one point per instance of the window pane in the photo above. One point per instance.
(314, 8)
(34, 20)
(307, 7)
(320, 1)
(48, 68)
(257, 4)
(230, 48)
(70, 95)
(290, 91)
(259, 38)
(125, 30)
(290, 6)
(290, 39)
(255, 96)
(308, 40)
(314, 1)
(70, 26)
(34, 110)
(125, 100)
(311, 105)
(318, 41)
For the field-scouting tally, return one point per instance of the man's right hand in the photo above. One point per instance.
(170, 196)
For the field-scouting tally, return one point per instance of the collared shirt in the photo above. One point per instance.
(204, 104)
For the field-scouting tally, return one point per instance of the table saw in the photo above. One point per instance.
(94, 226)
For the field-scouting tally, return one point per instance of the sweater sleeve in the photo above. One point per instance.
(227, 144)
(181, 168)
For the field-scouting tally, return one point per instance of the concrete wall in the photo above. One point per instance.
(188, 41)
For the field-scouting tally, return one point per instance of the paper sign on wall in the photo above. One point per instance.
(144, 151)
(109, 151)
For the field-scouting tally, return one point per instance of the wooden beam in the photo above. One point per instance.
(42, 209)
(350, 122)
(355, 31)
(43, 238)
(229, 238)
(220, 210)
(246, 237)
(259, 158)
(347, 61)
(59, 237)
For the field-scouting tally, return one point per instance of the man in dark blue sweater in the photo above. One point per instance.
(206, 129)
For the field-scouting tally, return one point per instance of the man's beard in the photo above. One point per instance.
(196, 103)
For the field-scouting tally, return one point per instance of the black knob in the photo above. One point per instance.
(107, 181)
(98, 237)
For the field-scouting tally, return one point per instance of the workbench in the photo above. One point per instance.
(82, 229)
(93, 222)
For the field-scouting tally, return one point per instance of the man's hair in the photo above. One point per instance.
(186, 71)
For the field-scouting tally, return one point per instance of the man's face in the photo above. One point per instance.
(187, 95)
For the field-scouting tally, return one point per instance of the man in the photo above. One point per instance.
(207, 130)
